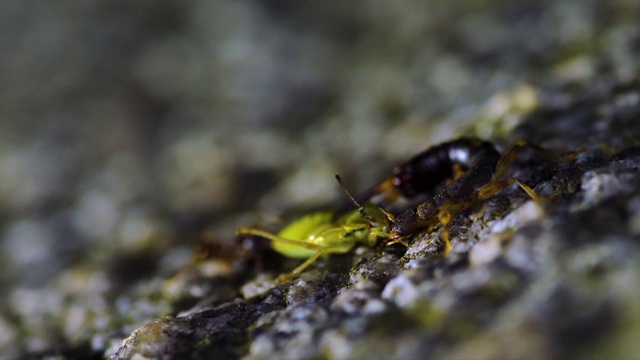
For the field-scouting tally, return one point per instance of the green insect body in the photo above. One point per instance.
(317, 234)
(310, 228)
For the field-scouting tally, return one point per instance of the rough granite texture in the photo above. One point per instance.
(135, 137)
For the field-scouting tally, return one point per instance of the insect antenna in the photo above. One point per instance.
(354, 201)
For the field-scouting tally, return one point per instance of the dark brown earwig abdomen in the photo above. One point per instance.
(426, 170)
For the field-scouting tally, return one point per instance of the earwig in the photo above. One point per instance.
(482, 179)
(422, 173)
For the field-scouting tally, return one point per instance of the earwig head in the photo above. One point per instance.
(405, 224)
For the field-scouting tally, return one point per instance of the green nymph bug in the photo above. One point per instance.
(323, 233)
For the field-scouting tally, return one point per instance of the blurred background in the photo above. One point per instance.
(129, 128)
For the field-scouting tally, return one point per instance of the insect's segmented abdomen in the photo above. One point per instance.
(426, 170)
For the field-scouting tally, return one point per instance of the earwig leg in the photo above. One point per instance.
(509, 158)
(527, 189)
(571, 156)
(491, 188)
(458, 171)
(445, 218)
(496, 186)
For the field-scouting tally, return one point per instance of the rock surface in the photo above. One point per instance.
(136, 137)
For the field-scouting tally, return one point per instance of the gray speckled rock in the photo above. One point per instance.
(524, 279)
(135, 137)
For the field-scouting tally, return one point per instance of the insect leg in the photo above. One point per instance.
(527, 189)
(496, 186)
(302, 267)
(275, 238)
(509, 157)
(444, 217)
(507, 160)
